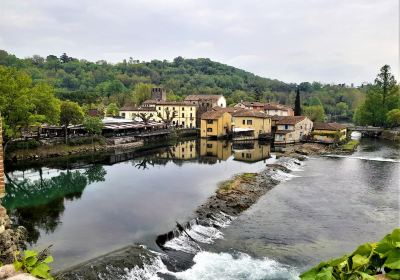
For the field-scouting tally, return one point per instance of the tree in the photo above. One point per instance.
(168, 116)
(342, 109)
(381, 98)
(393, 118)
(315, 113)
(23, 104)
(71, 113)
(93, 126)
(141, 93)
(145, 117)
(112, 110)
(297, 104)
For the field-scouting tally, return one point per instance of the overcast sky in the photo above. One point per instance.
(290, 40)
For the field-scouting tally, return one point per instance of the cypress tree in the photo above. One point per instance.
(297, 106)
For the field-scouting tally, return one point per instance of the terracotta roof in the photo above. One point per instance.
(150, 101)
(250, 104)
(197, 97)
(277, 118)
(328, 126)
(212, 115)
(291, 119)
(226, 109)
(250, 113)
(274, 106)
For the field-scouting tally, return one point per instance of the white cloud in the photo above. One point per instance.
(291, 40)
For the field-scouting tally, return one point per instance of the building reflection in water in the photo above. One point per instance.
(213, 150)
(183, 150)
(251, 151)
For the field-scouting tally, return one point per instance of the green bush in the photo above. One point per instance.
(369, 259)
(23, 144)
(36, 264)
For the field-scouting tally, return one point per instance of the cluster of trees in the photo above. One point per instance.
(25, 106)
(99, 84)
(382, 104)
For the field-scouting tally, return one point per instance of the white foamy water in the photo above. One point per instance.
(199, 234)
(281, 176)
(219, 266)
(365, 158)
(290, 163)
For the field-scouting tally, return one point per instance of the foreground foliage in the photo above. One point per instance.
(34, 263)
(369, 259)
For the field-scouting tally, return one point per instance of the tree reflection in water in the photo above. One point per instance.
(38, 204)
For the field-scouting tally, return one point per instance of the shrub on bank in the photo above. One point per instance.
(23, 145)
(368, 260)
(86, 140)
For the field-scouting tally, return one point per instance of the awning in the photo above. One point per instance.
(242, 129)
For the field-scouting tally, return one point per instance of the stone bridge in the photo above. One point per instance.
(370, 131)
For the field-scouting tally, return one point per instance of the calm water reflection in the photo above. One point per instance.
(97, 208)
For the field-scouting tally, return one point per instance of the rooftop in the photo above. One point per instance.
(212, 115)
(250, 113)
(291, 119)
(197, 97)
(328, 126)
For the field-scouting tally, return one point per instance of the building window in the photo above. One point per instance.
(248, 155)
(183, 115)
(159, 108)
(286, 126)
(209, 145)
(191, 115)
(173, 108)
(243, 122)
(210, 121)
(209, 129)
(183, 149)
(183, 108)
(249, 122)
(191, 108)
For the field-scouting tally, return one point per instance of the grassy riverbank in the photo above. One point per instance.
(350, 146)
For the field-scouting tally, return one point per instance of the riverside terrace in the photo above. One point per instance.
(112, 127)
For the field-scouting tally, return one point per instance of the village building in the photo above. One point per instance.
(250, 124)
(278, 110)
(292, 129)
(329, 132)
(184, 116)
(205, 102)
(185, 113)
(132, 113)
(271, 109)
(215, 124)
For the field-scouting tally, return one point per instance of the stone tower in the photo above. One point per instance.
(159, 94)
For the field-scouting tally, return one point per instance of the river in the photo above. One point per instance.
(322, 209)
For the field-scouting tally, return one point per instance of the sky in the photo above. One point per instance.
(330, 41)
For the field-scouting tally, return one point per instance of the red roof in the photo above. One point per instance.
(328, 126)
(250, 113)
(291, 120)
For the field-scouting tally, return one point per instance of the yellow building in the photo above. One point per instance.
(250, 124)
(329, 132)
(217, 149)
(215, 124)
(251, 151)
(292, 129)
(184, 116)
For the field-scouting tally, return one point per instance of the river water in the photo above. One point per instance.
(322, 209)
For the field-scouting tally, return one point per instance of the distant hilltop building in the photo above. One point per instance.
(271, 109)
(159, 94)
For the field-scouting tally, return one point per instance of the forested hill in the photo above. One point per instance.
(93, 82)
